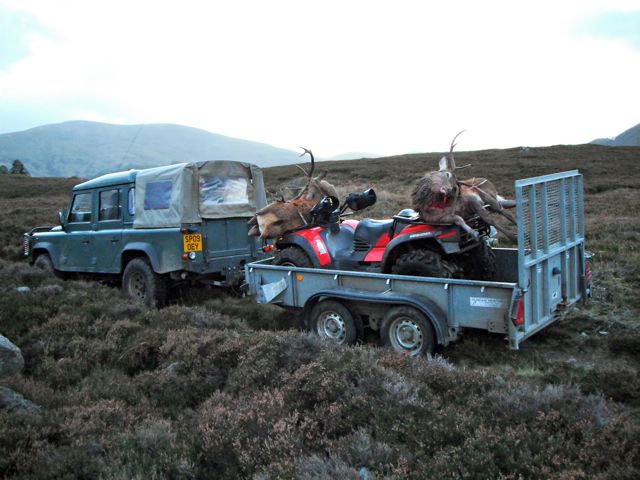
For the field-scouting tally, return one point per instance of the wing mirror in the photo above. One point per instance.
(62, 218)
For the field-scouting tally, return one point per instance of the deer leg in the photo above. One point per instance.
(458, 220)
(505, 203)
(496, 206)
(477, 206)
(508, 216)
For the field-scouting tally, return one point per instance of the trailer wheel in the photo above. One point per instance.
(333, 321)
(141, 283)
(423, 263)
(292, 257)
(482, 263)
(407, 330)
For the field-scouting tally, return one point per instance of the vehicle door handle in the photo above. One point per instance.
(115, 240)
(85, 241)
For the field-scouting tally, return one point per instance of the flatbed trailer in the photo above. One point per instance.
(545, 274)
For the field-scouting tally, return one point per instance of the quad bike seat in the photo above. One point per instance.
(370, 230)
(409, 215)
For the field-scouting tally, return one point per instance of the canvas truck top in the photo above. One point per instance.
(190, 192)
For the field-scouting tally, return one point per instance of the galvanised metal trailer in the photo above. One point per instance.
(545, 274)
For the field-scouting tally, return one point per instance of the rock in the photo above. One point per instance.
(11, 360)
(23, 289)
(14, 402)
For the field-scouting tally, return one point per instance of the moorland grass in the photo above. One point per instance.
(215, 386)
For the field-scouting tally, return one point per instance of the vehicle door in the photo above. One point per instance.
(76, 249)
(107, 238)
(226, 237)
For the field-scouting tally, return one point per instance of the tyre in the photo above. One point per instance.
(292, 257)
(482, 263)
(423, 263)
(43, 262)
(142, 284)
(334, 322)
(407, 330)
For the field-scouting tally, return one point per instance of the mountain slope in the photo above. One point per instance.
(628, 138)
(87, 149)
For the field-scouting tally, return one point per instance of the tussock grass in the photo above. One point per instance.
(215, 386)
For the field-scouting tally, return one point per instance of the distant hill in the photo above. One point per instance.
(354, 156)
(628, 138)
(87, 149)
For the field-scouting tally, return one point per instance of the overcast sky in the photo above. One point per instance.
(336, 76)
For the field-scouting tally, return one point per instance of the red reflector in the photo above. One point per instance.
(185, 256)
(183, 229)
(268, 248)
(519, 320)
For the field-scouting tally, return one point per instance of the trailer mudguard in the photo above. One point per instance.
(433, 313)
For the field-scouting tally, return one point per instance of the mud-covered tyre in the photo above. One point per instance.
(482, 263)
(406, 330)
(43, 262)
(142, 284)
(292, 257)
(332, 321)
(423, 263)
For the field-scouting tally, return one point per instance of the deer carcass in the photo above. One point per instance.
(439, 197)
(436, 196)
(279, 217)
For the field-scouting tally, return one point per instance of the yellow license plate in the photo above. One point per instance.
(192, 242)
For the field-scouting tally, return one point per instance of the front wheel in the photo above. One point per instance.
(423, 263)
(407, 330)
(333, 321)
(292, 257)
(43, 262)
(141, 283)
(482, 262)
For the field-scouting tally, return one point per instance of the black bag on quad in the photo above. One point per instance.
(403, 245)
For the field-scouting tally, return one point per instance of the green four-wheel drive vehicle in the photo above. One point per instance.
(152, 227)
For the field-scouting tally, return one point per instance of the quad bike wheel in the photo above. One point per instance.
(481, 263)
(292, 257)
(423, 263)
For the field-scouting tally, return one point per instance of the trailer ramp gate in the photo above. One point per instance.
(550, 215)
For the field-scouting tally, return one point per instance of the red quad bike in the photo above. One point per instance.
(403, 245)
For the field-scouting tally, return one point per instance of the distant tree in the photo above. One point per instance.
(17, 168)
(3, 169)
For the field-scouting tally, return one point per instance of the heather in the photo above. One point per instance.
(215, 386)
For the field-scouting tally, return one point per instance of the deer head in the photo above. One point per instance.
(437, 190)
(278, 217)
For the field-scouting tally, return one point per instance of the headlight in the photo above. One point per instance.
(192, 255)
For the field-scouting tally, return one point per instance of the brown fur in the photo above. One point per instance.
(279, 217)
(436, 196)
(440, 198)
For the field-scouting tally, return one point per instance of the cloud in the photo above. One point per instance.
(15, 29)
(335, 76)
(615, 25)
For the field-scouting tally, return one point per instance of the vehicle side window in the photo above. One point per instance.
(131, 202)
(157, 195)
(109, 205)
(81, 208)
